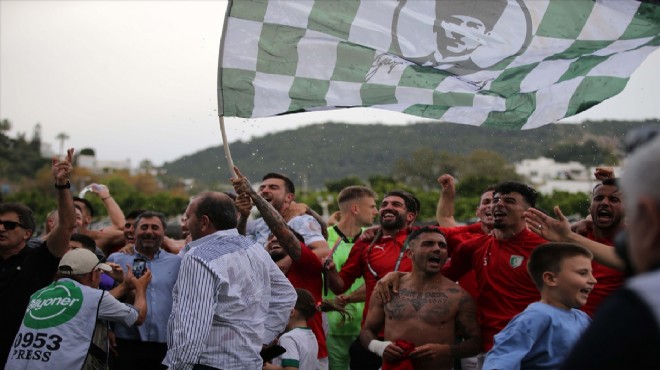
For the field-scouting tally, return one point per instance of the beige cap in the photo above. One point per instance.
(80, 261)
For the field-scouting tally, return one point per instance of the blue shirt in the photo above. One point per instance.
(164, 269)
(538, 338)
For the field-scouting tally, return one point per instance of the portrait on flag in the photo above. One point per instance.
(464, 37)
(513, 64)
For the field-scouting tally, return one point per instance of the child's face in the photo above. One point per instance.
(574, 282)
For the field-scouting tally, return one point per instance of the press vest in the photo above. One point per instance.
(57, 329)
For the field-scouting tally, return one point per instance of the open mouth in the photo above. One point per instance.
(498, 215)
(604, 214)
(435, 260)
(388, 215)
(586, 291)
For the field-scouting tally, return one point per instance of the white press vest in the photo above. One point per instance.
(57, 329)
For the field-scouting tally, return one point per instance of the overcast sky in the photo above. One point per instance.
(137, 79)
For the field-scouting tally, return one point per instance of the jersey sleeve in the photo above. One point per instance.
(292, 355)
(460, 262)
(308, 228)
(352, 269)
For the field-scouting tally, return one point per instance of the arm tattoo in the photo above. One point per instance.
(278, 227)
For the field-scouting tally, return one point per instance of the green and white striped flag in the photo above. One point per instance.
(515, 64)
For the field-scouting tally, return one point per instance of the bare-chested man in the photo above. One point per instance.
(422, 321)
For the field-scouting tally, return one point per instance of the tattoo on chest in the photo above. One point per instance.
(410, 303)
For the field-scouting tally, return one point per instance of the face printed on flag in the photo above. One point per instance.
(513, 64)
(464, 37)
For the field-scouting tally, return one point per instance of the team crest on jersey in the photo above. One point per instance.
(516, 261)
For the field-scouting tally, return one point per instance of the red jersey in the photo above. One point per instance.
(380, 258)
(608, 280)
(455, 236)
(501, 269)
(306, 274)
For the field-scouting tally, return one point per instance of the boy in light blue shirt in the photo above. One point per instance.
(542, 336)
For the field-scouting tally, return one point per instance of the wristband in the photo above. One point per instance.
(65, 186)
(378, 346)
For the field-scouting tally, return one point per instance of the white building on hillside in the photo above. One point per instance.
(99, 166)
(549, 176)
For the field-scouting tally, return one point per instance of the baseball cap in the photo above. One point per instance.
(80, 261)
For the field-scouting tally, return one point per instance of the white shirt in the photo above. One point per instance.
(229, 300)
(301, 349)
(305, 225)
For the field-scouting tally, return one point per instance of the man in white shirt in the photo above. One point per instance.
(230, 297)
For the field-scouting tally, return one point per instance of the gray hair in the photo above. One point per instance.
(641, 176)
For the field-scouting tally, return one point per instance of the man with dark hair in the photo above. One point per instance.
(498, 261)
(111, 238)
(298, 263)
(25, 270)
(129, 228)
(422, 322)
(230, 297)
(279, 191)
(146, 346)
(372, 260)
(607, 216)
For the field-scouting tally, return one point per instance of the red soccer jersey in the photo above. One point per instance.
(306, 274)
(455, 236)
(381, 257)
(608, 280)
(501, 269)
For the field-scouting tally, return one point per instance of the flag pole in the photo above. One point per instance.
(221, 117)
(225, 144)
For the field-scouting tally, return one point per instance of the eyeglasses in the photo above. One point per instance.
(11, 225)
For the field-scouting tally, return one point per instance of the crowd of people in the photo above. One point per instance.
(520, 289)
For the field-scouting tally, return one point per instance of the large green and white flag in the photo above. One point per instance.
(514, 64)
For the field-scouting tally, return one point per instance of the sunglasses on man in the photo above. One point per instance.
(11, 225)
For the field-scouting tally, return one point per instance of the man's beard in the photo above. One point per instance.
(151, 244)
(397, 224)
(277, 255)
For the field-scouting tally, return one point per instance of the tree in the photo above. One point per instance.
(5, 126)
(87, 151)
(335, 186)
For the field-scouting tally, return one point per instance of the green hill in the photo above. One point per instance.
(314, 154)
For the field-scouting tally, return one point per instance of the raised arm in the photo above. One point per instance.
(114, 211)
(244, 207)
(559, 230)
(58, 239)
(444, 212)
(273, 219)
